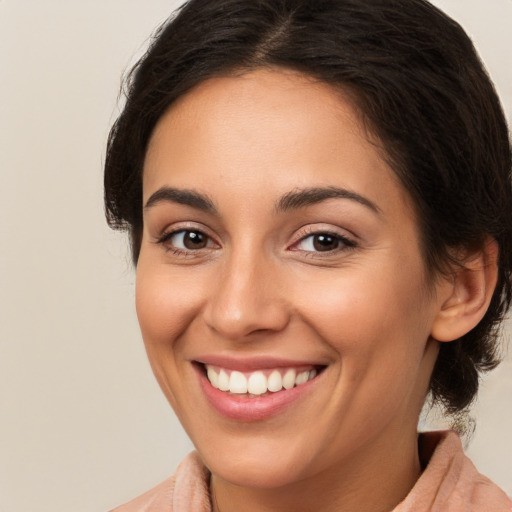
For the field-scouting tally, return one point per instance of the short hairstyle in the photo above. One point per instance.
(422, 91)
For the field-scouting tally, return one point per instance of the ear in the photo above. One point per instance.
(465, 296)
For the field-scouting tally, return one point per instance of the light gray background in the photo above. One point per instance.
(83, 426)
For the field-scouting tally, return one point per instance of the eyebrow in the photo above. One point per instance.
(181, 196)
(301, 198)
(293, 200)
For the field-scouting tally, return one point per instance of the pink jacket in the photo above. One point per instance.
(450, 483)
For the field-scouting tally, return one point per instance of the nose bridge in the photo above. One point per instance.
(246, 298)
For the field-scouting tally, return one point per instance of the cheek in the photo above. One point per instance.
(165, 305)
(375, 318)
(377, 329)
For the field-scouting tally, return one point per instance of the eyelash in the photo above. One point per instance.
(344, 243)
(166, 237)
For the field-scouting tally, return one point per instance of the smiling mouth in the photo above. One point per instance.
(259, 383)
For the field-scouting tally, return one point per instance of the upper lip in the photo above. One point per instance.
(255, 363)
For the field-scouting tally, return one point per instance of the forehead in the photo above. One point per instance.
(269, 130)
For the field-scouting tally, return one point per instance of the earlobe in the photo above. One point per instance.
(465, 297)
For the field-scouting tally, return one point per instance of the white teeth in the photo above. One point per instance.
(237, 383)
(275, 381)
(301, 378)
(257, 383)
(213, 377)
(289, 379)
(223, 381)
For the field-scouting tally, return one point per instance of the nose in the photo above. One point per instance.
(248, 298)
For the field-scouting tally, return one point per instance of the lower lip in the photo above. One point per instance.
(243, 408)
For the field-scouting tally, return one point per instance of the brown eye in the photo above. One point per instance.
(325, 242)
(187, 240)
(194, 240)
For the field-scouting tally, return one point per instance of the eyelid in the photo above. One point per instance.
(170, 231)
(318, 229)
(303, 233)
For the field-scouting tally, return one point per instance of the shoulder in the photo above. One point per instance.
(187, 489)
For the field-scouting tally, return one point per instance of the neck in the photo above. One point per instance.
(373, 481)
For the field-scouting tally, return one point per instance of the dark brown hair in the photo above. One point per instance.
(421, 89)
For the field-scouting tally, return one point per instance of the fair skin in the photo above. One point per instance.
(237, 274)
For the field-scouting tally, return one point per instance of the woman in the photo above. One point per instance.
(319, 200)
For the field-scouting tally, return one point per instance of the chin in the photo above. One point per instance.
(256, 473)
(264, 460)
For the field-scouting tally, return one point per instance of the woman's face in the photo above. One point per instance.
(280, 252)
